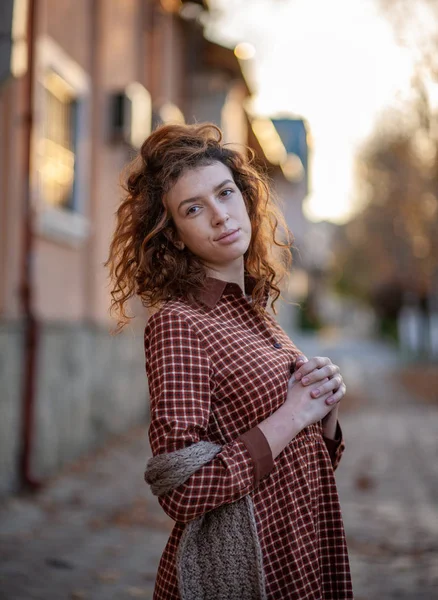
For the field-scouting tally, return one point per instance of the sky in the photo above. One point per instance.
(334, 63)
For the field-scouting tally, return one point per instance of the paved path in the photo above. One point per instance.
(93, 533)
(96, 533)
(388, 478)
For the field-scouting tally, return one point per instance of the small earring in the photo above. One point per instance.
(180, 245)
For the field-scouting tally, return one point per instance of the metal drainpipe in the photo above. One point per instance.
(31, 328)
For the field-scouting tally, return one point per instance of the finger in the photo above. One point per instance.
(330, 385)
(300, 360)
(314, 363)
(317, 385)
(319, 374)
(337, 396)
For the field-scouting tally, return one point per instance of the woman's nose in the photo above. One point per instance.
(220, 216)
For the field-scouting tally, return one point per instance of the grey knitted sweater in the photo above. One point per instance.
(219, 555)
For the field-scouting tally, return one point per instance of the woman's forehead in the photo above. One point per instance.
(198, 181)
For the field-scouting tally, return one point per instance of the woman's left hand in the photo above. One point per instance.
(321, 368)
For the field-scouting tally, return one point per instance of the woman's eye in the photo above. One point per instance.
(226, 192)
(192, 210)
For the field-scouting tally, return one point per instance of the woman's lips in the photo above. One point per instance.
(230, 237)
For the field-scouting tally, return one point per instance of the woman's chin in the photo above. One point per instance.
(231, 255)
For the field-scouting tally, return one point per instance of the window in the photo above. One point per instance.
(61, 148)
(56, 169)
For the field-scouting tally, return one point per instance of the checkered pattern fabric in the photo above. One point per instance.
(215, 370)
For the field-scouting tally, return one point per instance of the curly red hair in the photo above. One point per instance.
(143, 262)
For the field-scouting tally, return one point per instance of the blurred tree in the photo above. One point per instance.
(388, 254)
(415, 25)
(390, 249)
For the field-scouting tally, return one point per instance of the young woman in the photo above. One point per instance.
(244, 450)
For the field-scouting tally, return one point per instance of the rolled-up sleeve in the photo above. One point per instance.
(180, 380)
(336, 446)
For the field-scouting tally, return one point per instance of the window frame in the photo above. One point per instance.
(64, 225)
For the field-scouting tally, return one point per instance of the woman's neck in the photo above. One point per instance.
(232, 274)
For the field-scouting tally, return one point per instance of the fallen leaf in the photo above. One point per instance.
(78, 595)
(109, 576)
(364, 482)
(136, 592)
(59, 563)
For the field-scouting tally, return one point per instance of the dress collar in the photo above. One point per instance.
(214, 288)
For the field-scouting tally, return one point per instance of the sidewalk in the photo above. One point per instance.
(388, 486)
(95, 532)
(388, 477)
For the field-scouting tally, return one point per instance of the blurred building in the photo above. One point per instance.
(284, 146)
(82, 83)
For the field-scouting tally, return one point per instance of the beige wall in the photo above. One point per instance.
(12, 129)
(114, 42)
(71, 280)
(59, 267)
(68, 23)
(118, 64)
(168, 73)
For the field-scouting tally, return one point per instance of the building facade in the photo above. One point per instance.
(100, 74)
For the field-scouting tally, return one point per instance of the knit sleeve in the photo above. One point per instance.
(180, 380)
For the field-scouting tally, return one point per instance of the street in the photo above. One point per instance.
(95, 532)
(388, 477)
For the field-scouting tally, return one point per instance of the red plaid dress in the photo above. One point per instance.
(215, 370)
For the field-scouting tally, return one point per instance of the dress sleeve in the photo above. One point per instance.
(180, 380)
(335, 447)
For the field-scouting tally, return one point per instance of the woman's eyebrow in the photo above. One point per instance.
(215, 189)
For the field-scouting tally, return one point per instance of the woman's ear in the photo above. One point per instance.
(171, 236)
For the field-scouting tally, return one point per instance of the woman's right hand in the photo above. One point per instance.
(302, 406)
(298, 411)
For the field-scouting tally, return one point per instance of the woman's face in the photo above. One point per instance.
(206, 205)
